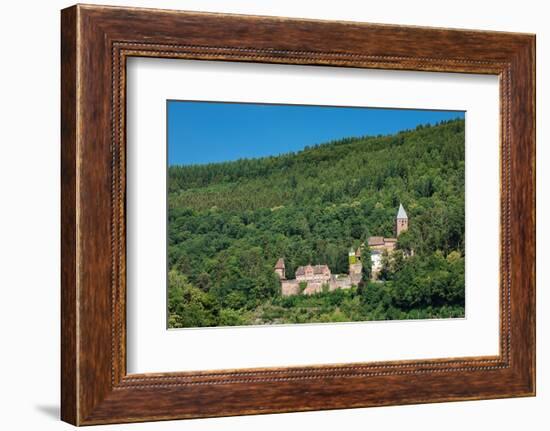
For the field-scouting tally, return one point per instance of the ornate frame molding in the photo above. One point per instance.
(96, 41)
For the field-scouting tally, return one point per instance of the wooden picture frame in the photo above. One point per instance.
(95, 43)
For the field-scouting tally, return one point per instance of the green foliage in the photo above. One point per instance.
(372, 302)
(188, 306)
(428, 281)
(228, 223)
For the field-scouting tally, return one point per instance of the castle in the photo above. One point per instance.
(312, 279)
(379, 244)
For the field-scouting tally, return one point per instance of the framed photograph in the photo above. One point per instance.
(265, 215)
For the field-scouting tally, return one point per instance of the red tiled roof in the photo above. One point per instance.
(380, 240)
(320, 269)
(376, 240)
(317, 269)
(280, 264)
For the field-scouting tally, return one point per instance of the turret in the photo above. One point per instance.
(280, 268)
(401, 221)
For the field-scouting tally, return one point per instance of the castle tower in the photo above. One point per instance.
(280, 268)
(401, 221)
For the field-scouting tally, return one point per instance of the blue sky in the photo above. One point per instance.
(207, 132)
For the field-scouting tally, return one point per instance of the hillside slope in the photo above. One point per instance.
(229, 222)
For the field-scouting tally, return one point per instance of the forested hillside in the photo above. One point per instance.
(230, 222)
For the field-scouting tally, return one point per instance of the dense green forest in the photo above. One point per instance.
(229, 222)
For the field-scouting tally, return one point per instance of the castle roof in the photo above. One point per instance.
(280, 264)
(317, 269)
(401, 213)
(375, 240)
(379, 240)
(320, 269)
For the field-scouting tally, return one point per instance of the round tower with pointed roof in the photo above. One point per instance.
(280, 268)
(401, 221)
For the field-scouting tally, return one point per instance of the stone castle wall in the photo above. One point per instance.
(316, 281)
(316, 285)
(290, 287)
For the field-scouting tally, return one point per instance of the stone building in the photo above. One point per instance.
(312, 279)
(401, 221)
(320, 273)
(280, 268)
(379, 244)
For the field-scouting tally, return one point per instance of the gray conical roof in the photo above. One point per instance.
(401, 213)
